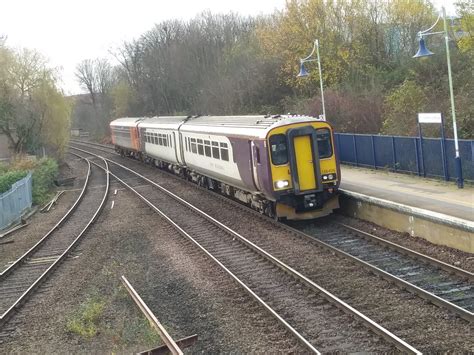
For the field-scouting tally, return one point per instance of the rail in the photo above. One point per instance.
(467, 315)
(168, 340)
(399, 343)
(7, 314)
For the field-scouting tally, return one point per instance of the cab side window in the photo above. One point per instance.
(324, 142)
(279, 149)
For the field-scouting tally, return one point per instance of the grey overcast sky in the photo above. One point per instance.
(67, 32)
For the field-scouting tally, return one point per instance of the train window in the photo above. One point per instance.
(165, 140)
(278, 148)
(160, 139)
(155, 138)
(215, 150)
(186, 143)
(193, 145)
(200, 147)
(324, 142)
(224, 152)
(207, 148)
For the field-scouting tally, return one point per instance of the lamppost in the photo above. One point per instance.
(303, 72)
(424, 52)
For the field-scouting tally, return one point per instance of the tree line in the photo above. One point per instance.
(230, 64)
(34, 113)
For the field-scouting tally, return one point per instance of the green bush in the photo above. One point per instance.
(9, 178)
(44, 174)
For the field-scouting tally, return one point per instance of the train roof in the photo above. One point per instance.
(166, 122)
(248, 126)
(127, 121)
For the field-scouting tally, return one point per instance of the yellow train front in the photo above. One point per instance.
(304, 167)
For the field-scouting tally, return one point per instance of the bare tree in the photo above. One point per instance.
(85, 74)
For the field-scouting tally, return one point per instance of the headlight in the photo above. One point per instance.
(328, 177)
(281, 184)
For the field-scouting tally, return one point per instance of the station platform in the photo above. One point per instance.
(432, 209)
(432, 195)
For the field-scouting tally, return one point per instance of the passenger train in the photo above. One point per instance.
(283, 166)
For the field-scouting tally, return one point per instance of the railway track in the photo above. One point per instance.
(442, 284)
(318, 319)
(26, 274)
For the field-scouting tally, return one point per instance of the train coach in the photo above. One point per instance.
(283, 166)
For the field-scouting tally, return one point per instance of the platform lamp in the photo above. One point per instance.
(424, 52)
(303, 72)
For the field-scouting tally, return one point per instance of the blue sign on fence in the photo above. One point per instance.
(404, 154)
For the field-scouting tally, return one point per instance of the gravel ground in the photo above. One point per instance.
(40, 223)
(449, 255)
(185, 290)
(429, 328)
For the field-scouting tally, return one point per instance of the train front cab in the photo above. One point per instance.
(304, 169)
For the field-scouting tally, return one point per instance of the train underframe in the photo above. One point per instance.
(289, 207)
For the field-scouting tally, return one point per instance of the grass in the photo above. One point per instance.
(84, 322)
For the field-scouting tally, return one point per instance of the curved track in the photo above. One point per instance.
(442, 284)
(20, 280)
(321, 321)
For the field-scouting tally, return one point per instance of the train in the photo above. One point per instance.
(284, 166)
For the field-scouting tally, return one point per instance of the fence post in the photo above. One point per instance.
(421, 150)
(394, 154)
(443, 151)
(355, 150)
(373, 152)
(417, 158)
(2, 208)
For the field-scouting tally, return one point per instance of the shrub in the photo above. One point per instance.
(9, 178)
(44, 174)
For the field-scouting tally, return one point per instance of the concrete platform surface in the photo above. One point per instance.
(432, 195)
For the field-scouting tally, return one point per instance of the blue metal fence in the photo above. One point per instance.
(406, 154)
(15, 201)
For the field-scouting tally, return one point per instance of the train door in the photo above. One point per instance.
(304, 159)
(134, 138)
(255, 153)
(304, 162)
(178, 147)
